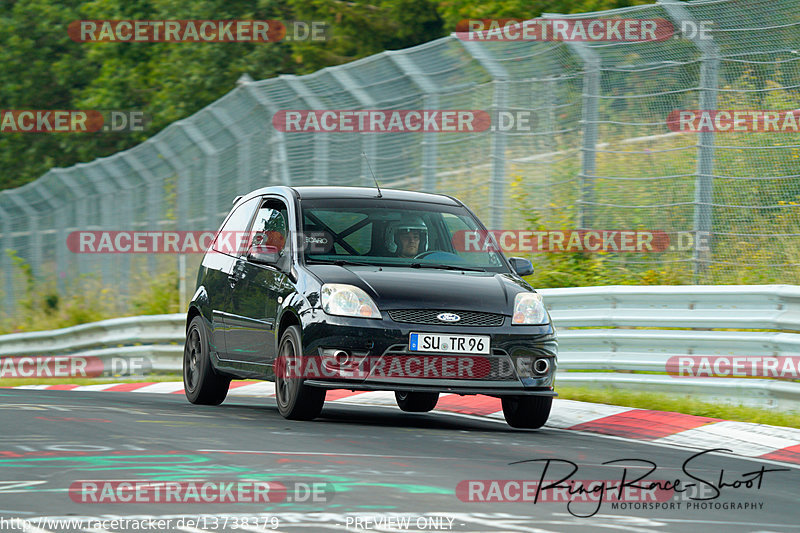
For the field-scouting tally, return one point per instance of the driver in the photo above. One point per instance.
(410, 237)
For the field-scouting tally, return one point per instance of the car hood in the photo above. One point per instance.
(415, 288)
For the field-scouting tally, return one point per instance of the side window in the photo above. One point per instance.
(271, 227)
(232, 238)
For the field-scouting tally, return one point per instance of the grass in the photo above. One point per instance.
(678, 404)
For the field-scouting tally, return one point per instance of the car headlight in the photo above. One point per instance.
(529, 309)
(348, 300)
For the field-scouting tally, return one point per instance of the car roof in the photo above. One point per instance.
(318, 192)
(371, 192)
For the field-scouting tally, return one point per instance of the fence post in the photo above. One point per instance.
(367, 139)
(78, 195)
(211, 174)
(125, 194)
(243, 151)
(704, 182)
(7, 243)
(430, 97)
(279, 159)
(152, 198)
(321, 140)
(591, 90)
(498, 184)
(106, 193)
(181, 211)
(34, 257)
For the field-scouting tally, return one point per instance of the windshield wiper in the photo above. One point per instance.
(341, 262)
(446, 267)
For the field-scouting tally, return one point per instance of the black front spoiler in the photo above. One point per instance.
(487, 391)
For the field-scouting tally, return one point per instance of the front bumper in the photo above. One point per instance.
(370, 340)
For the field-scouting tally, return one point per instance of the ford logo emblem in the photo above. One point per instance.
(448, 317)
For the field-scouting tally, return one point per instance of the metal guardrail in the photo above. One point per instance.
(606, 336)
(692, 320)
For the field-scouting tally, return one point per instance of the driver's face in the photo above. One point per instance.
(409, 243)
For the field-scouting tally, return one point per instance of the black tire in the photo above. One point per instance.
(416, 402)
(296, 401)
(528, 412)
(201, 383)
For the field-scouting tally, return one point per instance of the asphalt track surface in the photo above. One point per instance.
(378, 469)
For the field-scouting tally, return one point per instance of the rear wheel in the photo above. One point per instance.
(416, 402)
(201, 383)
(296, 401)
(529, 412)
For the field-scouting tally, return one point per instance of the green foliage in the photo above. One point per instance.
(360, 29)
(44, 69)
(42, 307)
(83, 300)
(159, 297)
(679, 404)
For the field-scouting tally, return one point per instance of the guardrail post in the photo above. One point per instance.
(704, 182)
(498, 182)
(591, 91)
(321, 140)
(430, 98)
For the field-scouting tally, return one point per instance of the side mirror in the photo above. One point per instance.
(264, 255)
(521, 266)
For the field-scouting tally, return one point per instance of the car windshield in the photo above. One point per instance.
(396, 233)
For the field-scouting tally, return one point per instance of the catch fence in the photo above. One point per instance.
(600, 153)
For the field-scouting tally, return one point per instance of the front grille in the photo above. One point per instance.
(428, 316)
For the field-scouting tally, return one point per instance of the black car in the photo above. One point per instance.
(321, 288)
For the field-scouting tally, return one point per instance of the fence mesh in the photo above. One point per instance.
(600, 154)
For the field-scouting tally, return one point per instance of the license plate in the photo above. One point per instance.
(434, 342)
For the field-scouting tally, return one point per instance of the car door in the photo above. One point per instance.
(220, 261)
(260, 288)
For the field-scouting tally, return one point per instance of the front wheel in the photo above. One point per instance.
(296, 401)
(416, 402)
(201, 383)
(529, 412)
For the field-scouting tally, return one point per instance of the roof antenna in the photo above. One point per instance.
(364, 155)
